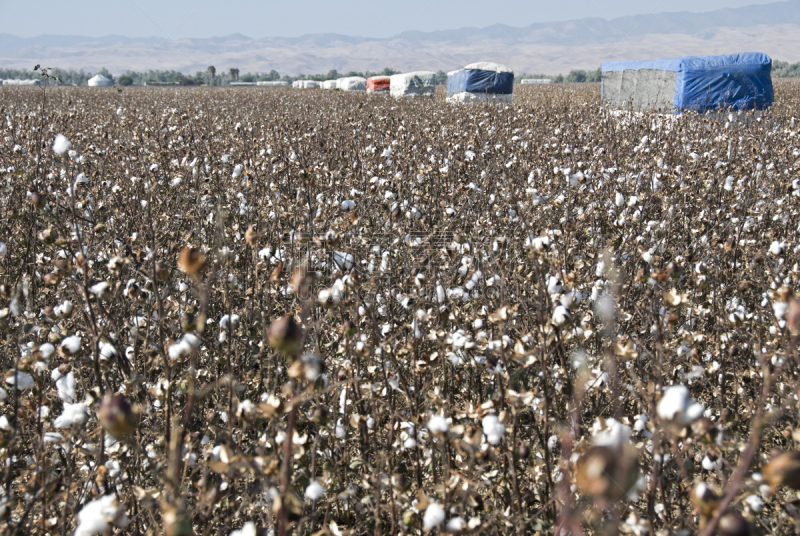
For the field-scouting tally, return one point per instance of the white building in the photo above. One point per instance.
(100, 80)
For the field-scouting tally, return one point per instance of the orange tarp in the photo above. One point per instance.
(378, 83)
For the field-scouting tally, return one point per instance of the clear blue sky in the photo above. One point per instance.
(198, 18)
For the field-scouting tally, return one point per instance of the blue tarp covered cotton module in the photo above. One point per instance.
(480, 78)
(701, 83)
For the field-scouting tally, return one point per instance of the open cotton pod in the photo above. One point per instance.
(286, 336)
(733, 524)
(705, 499)
(607, 472)
(116, 415)
(191, 261)
(783, 469)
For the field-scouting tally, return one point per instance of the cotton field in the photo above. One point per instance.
(257, 311)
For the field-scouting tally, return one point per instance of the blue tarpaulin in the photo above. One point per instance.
(739, 81)
(480, 81)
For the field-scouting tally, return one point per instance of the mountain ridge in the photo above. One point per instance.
(539, 47)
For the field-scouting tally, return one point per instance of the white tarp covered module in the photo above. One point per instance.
(416, 84)
(100, 80)
(697, 83)
(481, 82)
(329, 84)
(276, 83)
(352, 83)
(304, 84)
(527, 81)
(20, 82)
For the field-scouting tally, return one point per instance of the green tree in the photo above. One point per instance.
(104, 72)
(576, 76)
(125, 80)
(784, 69)
(212, 72)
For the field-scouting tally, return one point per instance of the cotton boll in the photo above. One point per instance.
(434, 516)
(73, 414)
(20, 380)
(314, 491)
(777, 248)
(47, 350)
(61, 144)
(65, 385)
(101, 290)
(438, 425)
(233, 321)
(729, 184)
(540, 244)
(343, 261)
(619, 200)
(601, 267)
(711, 465)
(677, 406)
(340, 430)
(248, 529)
(3, 250)
(640, 423)
(98, 517)
(560, 315)
(107, 351)
(779, 308)
(755, 503)
(71, 345)
(493, 429)
(554, 285)
(184, 346)
(237, 171)
(615, 434)
(348, 205)
(455, 524)
(64, 309)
